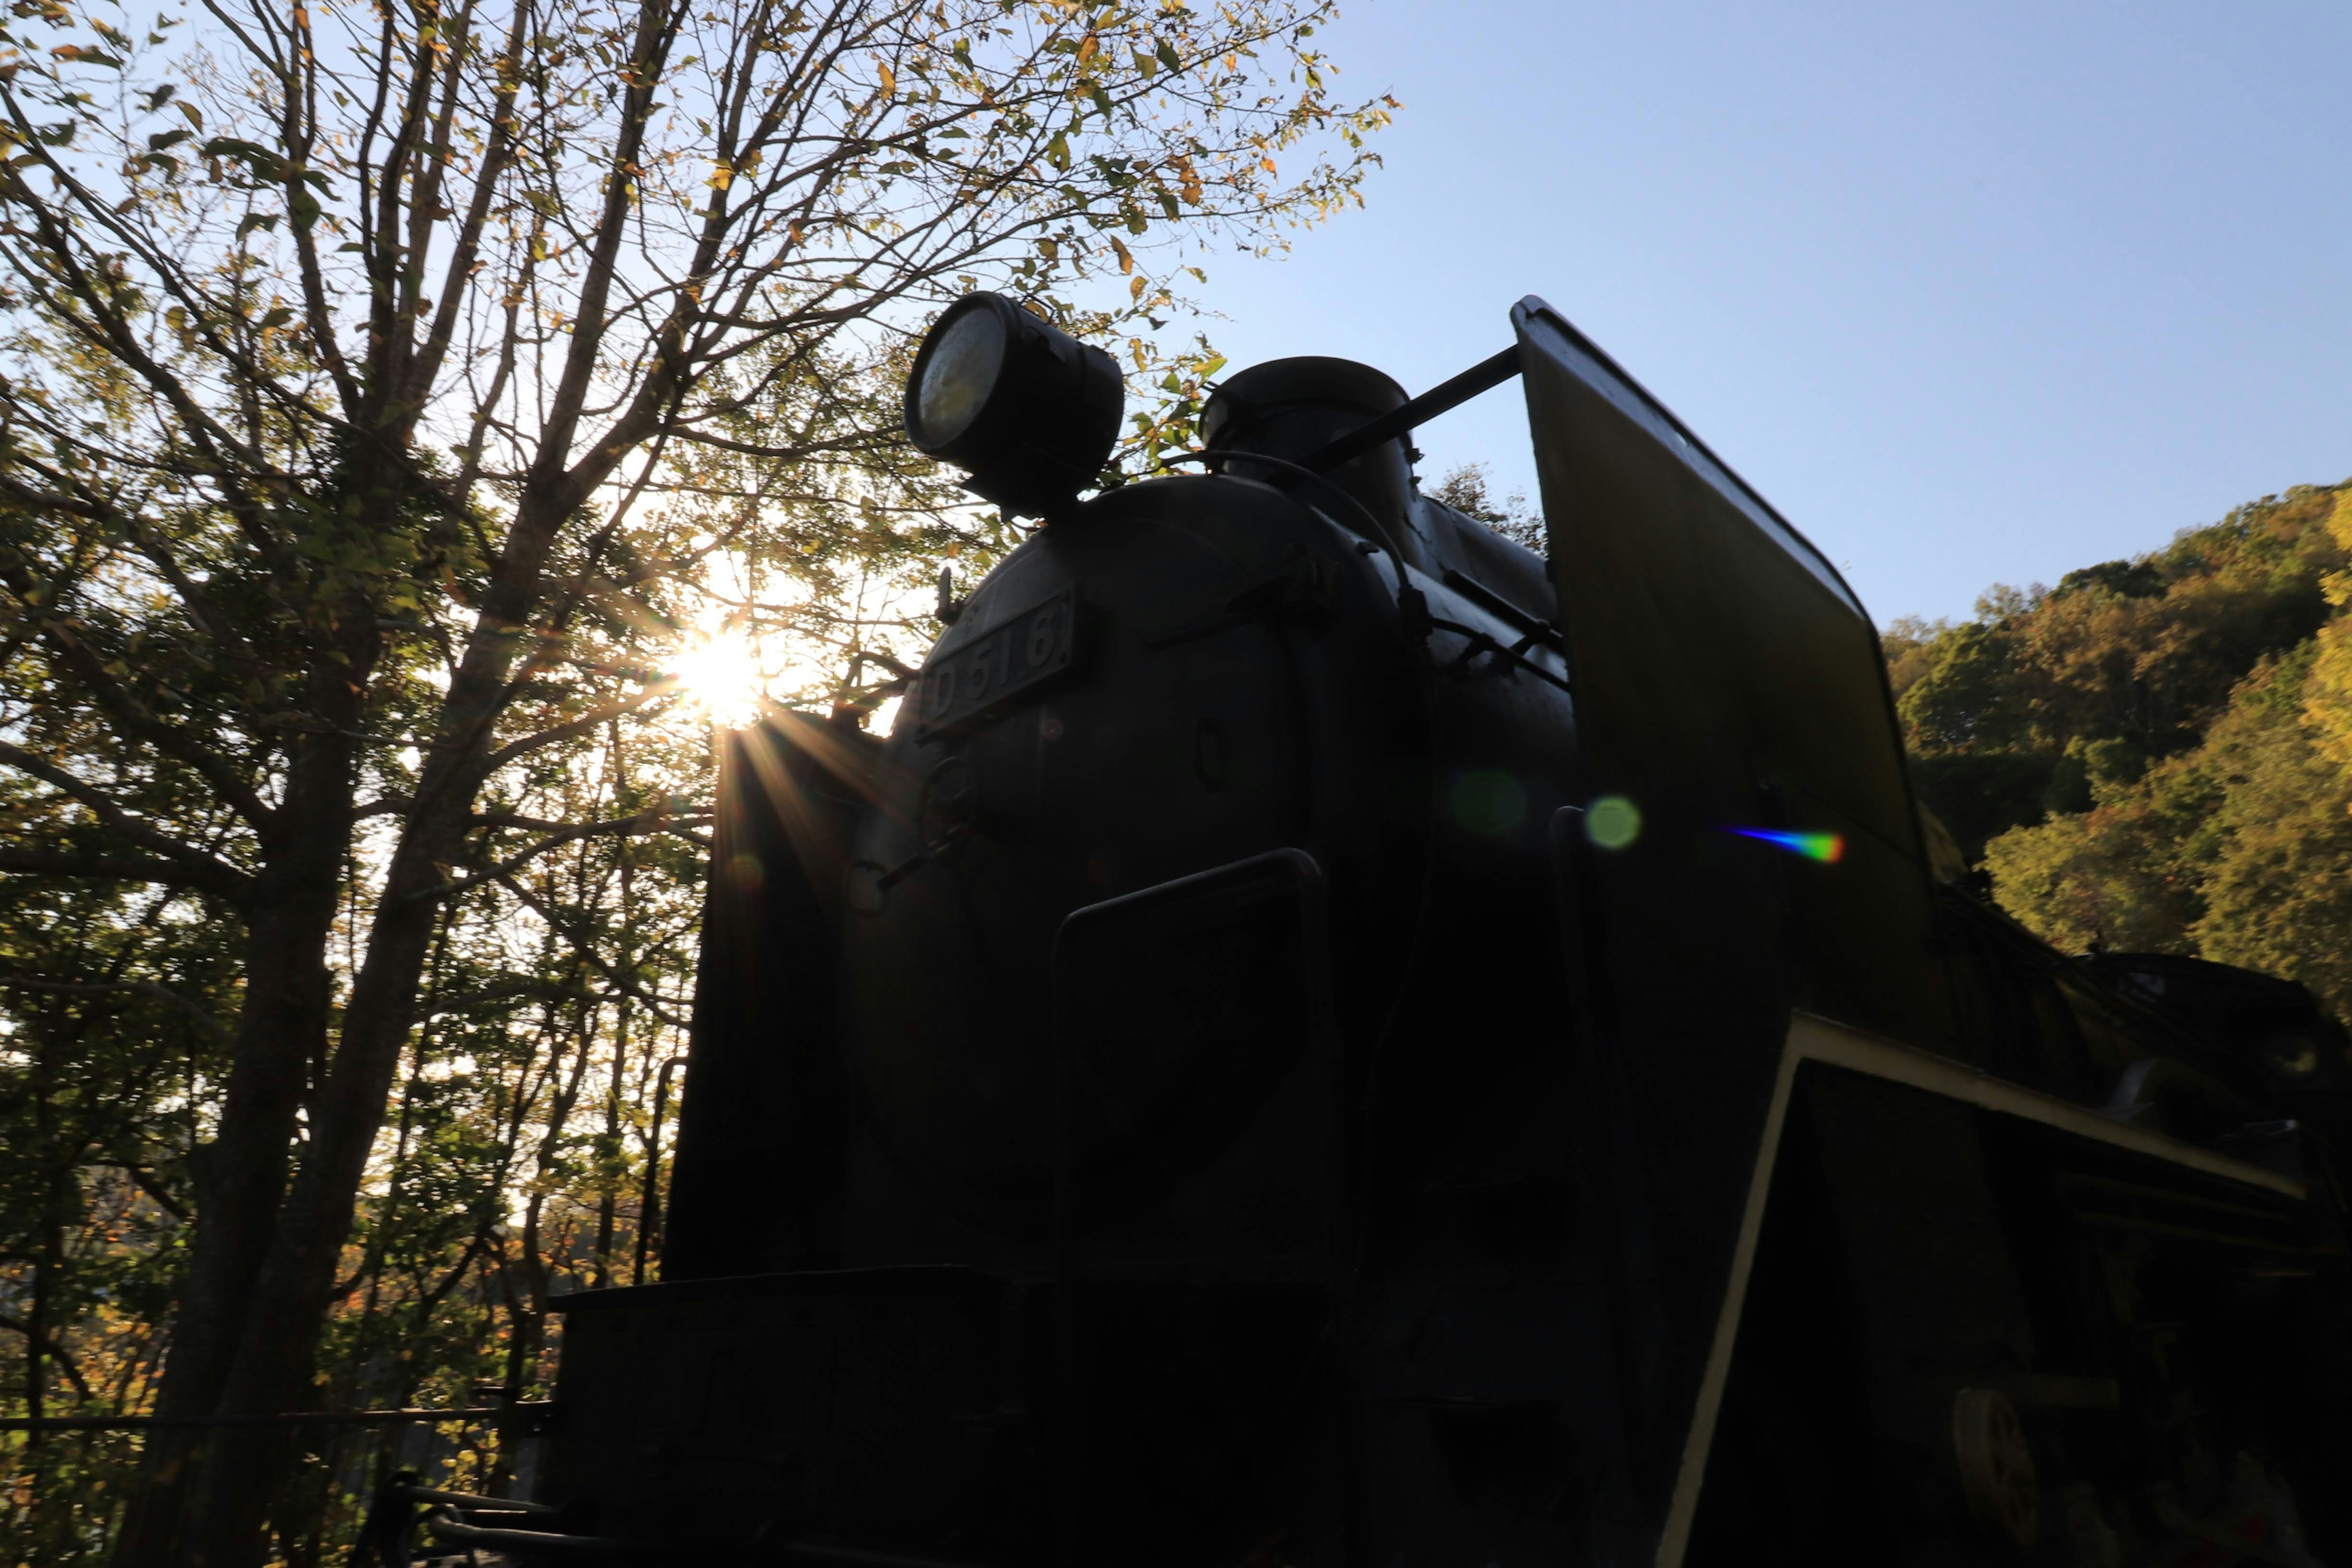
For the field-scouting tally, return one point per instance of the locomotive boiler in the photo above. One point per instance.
(1322, 1036)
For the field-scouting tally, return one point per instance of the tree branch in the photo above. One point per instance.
(594, 718)
(121, 868)
(113, 816)
(643, 823)
(195, 1009)
(134, 715)
(144, 1180)
(49, 1347)
(620, 982)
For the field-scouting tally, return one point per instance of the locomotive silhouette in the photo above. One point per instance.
(1324, 1037)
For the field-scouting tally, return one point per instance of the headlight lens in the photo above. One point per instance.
(958, 376)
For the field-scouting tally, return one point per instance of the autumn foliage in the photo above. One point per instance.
(392, 395)
(2157, 755)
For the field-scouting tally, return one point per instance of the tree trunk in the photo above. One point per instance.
(50, 1251)
(240, 1179)
(240, 1176)
(287, 1308)
(287, 1303)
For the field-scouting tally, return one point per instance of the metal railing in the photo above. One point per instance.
(406, 1516)
(266, 1418)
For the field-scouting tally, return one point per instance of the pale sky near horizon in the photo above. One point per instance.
(1972, 293)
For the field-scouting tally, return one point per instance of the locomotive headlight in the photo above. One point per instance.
(1028, 410)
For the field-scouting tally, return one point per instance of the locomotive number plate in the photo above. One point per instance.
(996, 667)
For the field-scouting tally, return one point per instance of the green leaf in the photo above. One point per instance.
(265, 164)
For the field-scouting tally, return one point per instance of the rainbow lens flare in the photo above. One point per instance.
(1829, 848)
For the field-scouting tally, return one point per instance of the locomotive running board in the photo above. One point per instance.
(1818, 1039)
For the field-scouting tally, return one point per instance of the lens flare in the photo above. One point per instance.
(1488, 801)
(1613, 822)
(1829, 848)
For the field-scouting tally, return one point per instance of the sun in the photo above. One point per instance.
(722, 674)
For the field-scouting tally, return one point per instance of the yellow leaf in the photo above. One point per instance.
(1135, 286)
(890, 79)
(1268, 164)
(1126, 261)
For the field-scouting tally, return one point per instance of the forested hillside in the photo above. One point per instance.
(2156, 753)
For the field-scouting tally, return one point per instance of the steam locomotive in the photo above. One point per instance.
(1324, 1037)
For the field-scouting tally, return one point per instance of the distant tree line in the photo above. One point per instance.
(2156, 754)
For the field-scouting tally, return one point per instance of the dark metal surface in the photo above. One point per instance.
(1725, 678)
(1449, 394)
(1128, 976)
(736, 1289)
(755, 1184)
(1218, 1095)
(1351, 505)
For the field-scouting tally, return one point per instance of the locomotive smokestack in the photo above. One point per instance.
(1293, 408)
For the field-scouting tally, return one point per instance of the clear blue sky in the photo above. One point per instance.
(1973, 293)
